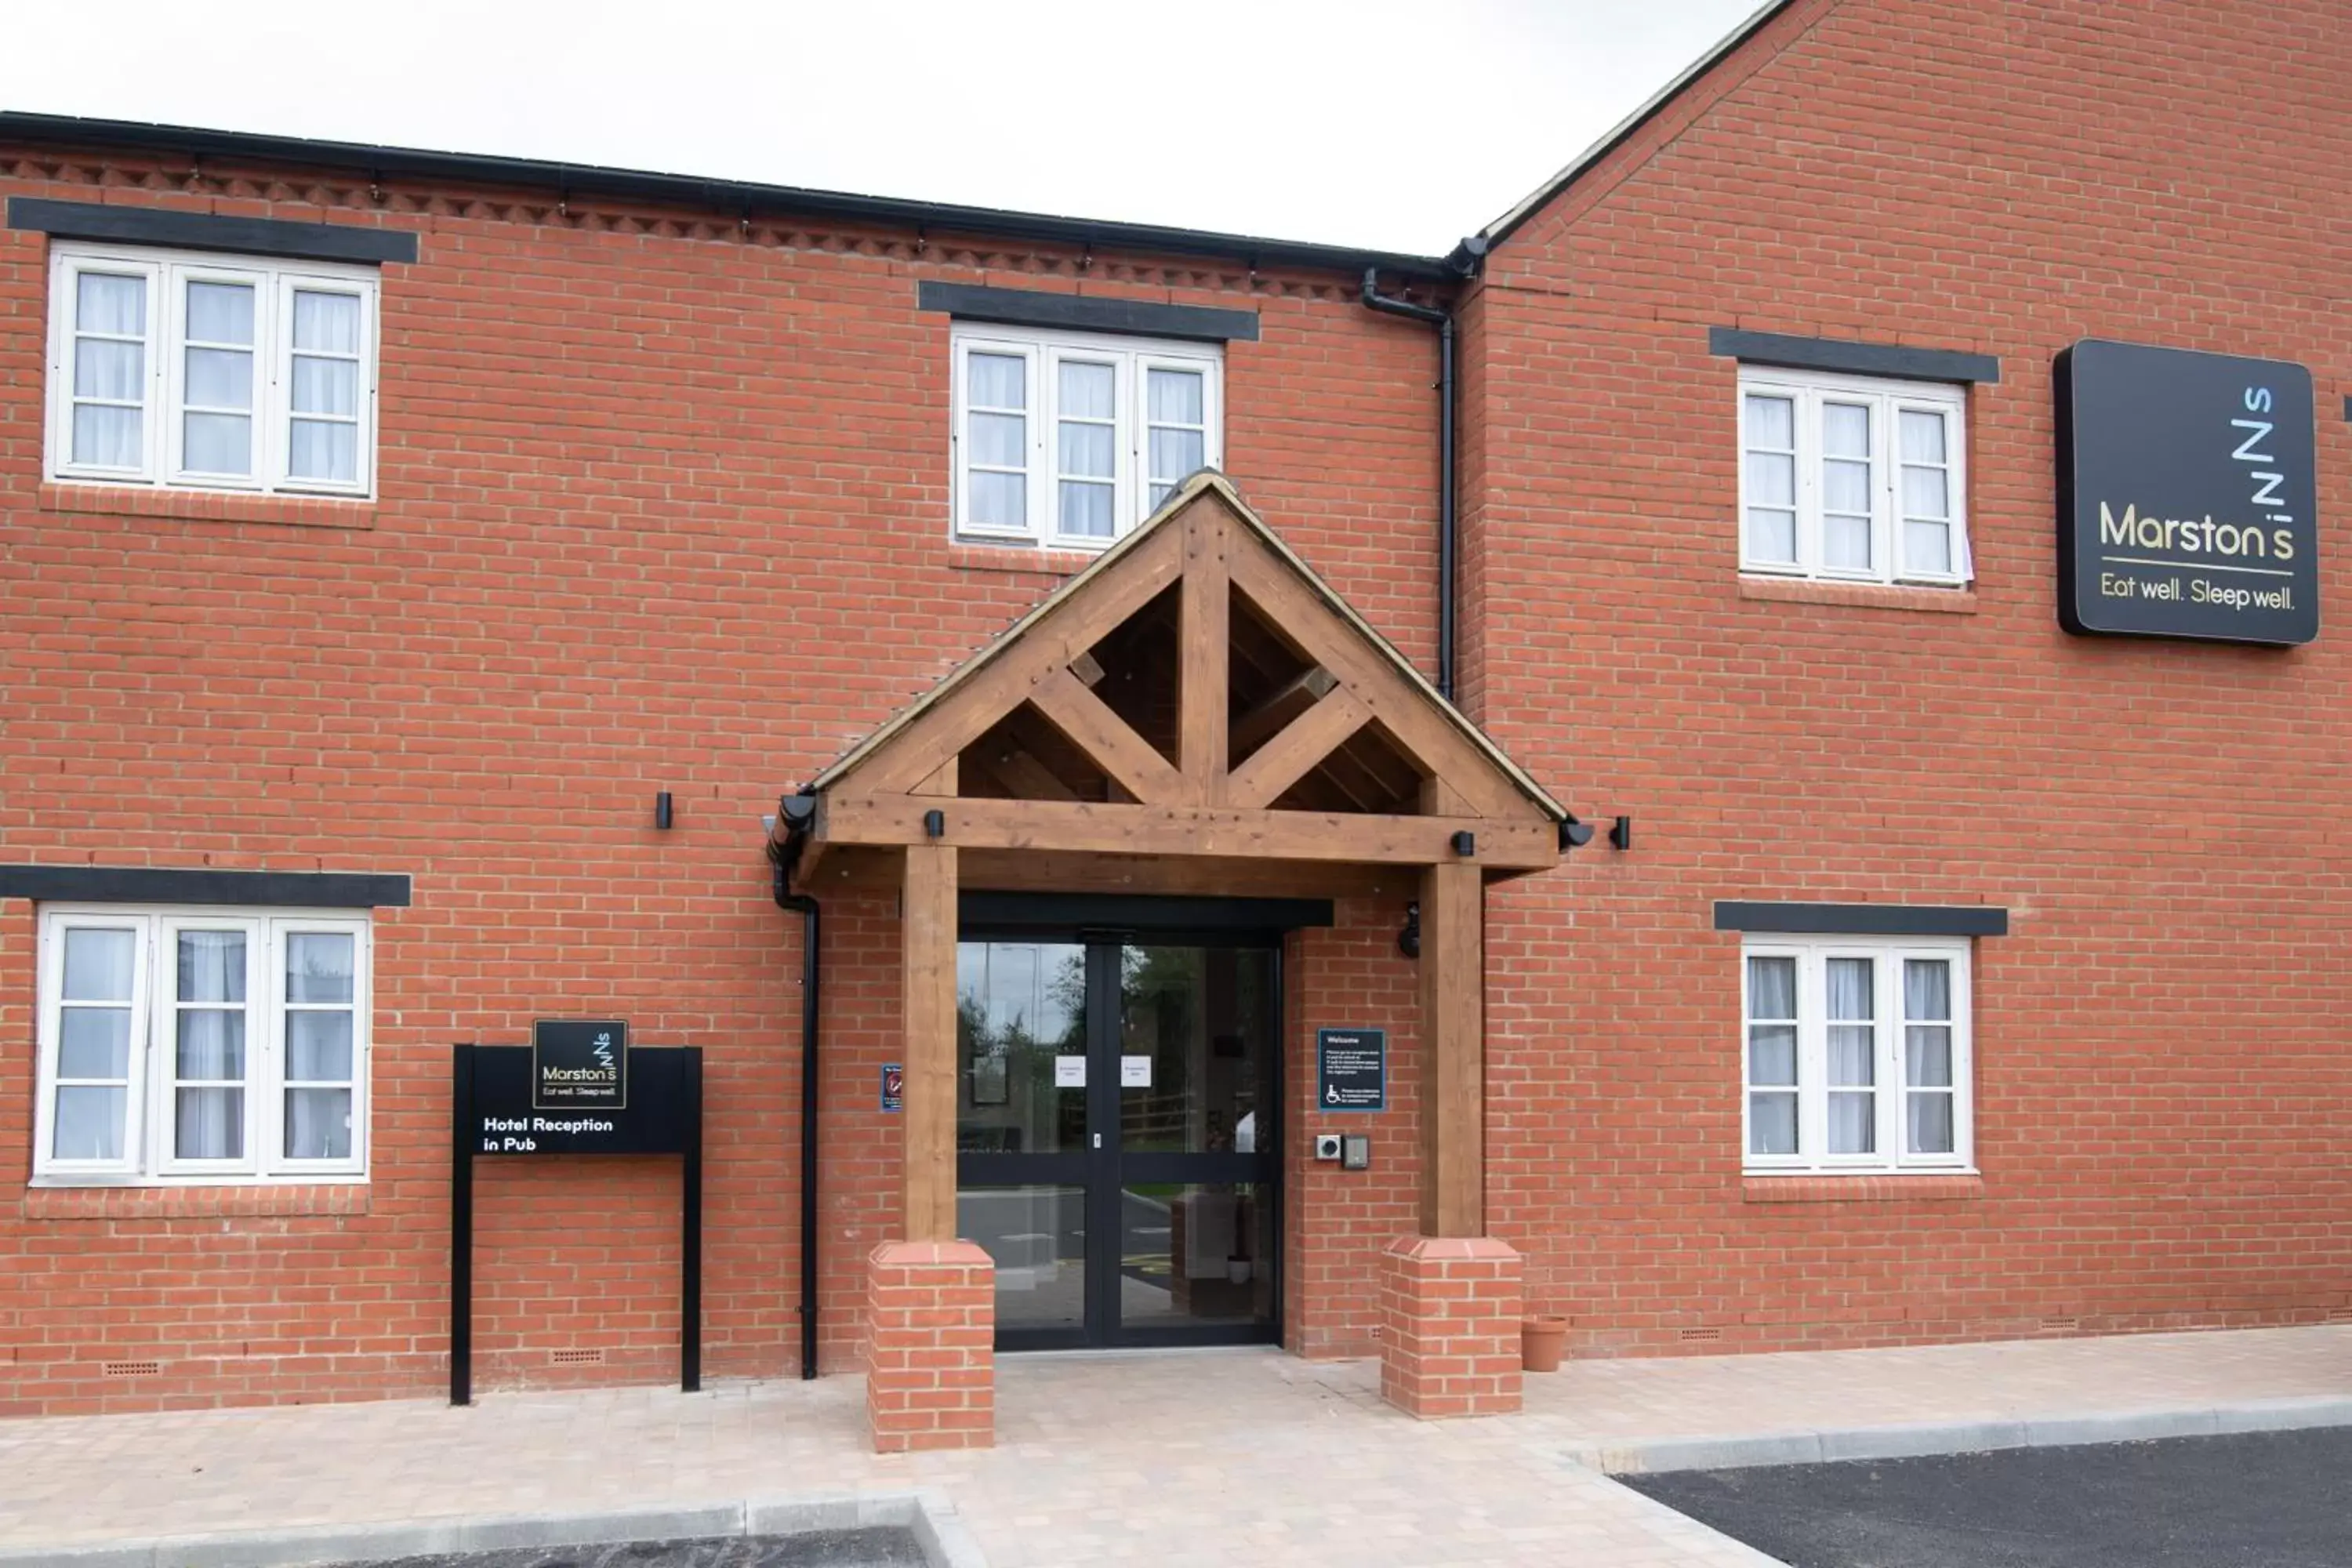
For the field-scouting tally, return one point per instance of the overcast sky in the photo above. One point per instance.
(1371, 122)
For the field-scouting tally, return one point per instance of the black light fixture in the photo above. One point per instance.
(1466, 842)
(1574, 834)
(1408, 939)
(664, 813)
(935, 824)
(1620, 833)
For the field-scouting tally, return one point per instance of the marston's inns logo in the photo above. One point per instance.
(579, 1066)
(2187, 492)
(2196, 535)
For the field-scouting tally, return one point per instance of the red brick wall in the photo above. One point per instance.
(2161, 1076)
(1335, 1221)
(662, 507)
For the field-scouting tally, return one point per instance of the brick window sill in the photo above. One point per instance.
(1024, 560)
(1873, 596)
(206, 506)
(197, 1202)
(1860, 1189)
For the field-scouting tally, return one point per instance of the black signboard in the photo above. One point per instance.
(579, 1065)
(495, 1110)
(1352, 1070)
(2187, 498)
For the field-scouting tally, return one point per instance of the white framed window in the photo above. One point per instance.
(217, 373)
(1853, 479)
(1856, 1055)
(1068, 440)
(198, 1045)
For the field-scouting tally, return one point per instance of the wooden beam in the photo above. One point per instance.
(1452, 1051)
(1057, 871)
(957, 716)
(928, 1124)
(1023, 774)
(1407, 712)
(1271, 717)
(1205, 645)
(1289, 756)
(943, 780)
(1106, 739)
(1185, 830)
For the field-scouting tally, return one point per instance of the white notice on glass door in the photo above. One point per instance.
(1069, 1072)
(1135, 1072)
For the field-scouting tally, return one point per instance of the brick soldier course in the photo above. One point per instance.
(662, 502)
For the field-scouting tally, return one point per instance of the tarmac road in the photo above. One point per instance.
(2263, 1499)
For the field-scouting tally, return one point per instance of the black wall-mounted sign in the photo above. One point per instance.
(2186, 496)
(1352, 1070)
(580, 1065)
(494, 1111)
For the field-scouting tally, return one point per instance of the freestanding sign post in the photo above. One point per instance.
(2186, 495)
(607, 1099)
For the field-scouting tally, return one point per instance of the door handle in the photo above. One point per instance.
(1097, 1140)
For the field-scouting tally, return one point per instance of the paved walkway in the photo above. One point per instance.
(1179, 1458)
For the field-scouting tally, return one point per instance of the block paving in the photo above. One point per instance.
(1184, 1458)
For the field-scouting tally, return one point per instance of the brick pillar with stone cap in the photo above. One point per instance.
(930, 1358)
(1450, 1317)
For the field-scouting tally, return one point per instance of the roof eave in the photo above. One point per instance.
(735, 198)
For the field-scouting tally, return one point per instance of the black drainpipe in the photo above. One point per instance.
(797, 810)
(1444, 322)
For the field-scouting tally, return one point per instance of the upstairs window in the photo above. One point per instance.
(209, 373)
(1068, 441)
(1850, 479)
(1857, 1055)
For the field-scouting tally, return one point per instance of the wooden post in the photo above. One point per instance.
(928, 934)
(1454, 1049)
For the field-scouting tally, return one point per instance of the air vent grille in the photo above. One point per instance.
(134, 1368)
(1698, 1336)
(578, 1358)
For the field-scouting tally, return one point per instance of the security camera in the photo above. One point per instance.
(1574, 834)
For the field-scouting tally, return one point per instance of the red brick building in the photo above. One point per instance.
(383, 534)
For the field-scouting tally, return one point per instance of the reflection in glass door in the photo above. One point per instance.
(1117, 1151)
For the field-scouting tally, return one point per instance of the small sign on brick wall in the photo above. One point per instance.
(1352, 1070)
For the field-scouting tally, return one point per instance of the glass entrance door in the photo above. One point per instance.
(1118, 1152)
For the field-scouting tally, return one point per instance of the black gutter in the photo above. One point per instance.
(1444, 322)
(812, 931)
(735, 199)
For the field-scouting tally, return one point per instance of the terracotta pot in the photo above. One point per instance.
(1541, 1341)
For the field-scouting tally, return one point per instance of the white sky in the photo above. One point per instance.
(1370, 122)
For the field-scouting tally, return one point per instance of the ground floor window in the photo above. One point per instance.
(1857, 1055)
(202, 1045)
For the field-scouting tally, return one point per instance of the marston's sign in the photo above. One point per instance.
(2186, 496)
(579, 1065)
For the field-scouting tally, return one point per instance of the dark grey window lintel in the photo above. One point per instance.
(1864, 920)
(175, 885)
(1852, 358)
(1086, 313)
(126, 224)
